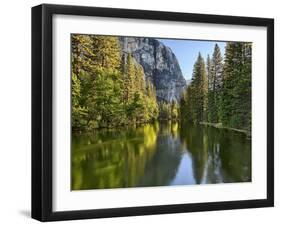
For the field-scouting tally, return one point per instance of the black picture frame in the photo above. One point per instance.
(42, 111)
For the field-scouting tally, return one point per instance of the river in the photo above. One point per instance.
(159, 154)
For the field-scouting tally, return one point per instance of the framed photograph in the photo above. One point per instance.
(146, 112)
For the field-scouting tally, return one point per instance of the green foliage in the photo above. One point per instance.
(169, 111)
(108, 91)
(105, 106)
(128, 79)
(214, 74)
(236, 92)
(78, 112)
(106, 52)
(164, 111)
(174, 110)
(226, 98)
(139, 96)
(194, 100)
(151, 107)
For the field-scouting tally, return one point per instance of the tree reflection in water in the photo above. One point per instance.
(159, 154)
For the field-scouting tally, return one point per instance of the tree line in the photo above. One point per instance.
(108, 88)
(220, 90)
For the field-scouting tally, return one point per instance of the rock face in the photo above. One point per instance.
(160, 65)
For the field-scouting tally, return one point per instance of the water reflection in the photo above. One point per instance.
(159, 154)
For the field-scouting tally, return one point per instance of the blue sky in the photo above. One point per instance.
(187, 51)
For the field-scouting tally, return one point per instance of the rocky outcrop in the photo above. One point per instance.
(160, 65)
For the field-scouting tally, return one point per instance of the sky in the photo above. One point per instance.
(187, 51)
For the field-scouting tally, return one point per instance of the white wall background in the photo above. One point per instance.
(15, 113)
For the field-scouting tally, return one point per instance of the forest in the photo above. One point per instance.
(109, 89)
(220, 91)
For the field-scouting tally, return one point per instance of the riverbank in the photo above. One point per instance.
(220, 126)
(121, 126)
(112, 127)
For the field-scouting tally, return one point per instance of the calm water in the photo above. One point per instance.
(159, 154)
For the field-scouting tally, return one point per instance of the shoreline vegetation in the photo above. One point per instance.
(129, 125)
(220, 126)
(214, 125)
(219, 94)
(110, 90)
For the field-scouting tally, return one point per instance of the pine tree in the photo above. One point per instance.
(174, 110)
(79, 112)
(246, 85)
(164, 111)
(236, 92)
(199, 85)
(95, 67)
(106, 52)
(128, 77)
(105, 103)
(211, 112)
(82, 54)
(139, 97)
(228, 84)
(152, 107)
(82, 67)
(209, 74)
(139, 78)
(190, 103)
(214, 68)
(227, 88)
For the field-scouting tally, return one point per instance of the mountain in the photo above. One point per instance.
(159, 63)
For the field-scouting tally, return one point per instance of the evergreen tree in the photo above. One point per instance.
(79, 112)
(106, 52)
(95, 66)
(246, 86)
(128, 79)
(199, 85)
(174, 110)
(139, 78)
(152, 107)
(211, 112)
(214, 68)
(82, 54)
(105, 102)
(193, 103)
(228, 88)
(236, 92)
(164, 111)
(108, 91)
(209, 74)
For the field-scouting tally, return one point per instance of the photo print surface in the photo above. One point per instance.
(159, 112)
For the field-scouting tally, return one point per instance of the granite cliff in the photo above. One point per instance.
(159, 63)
